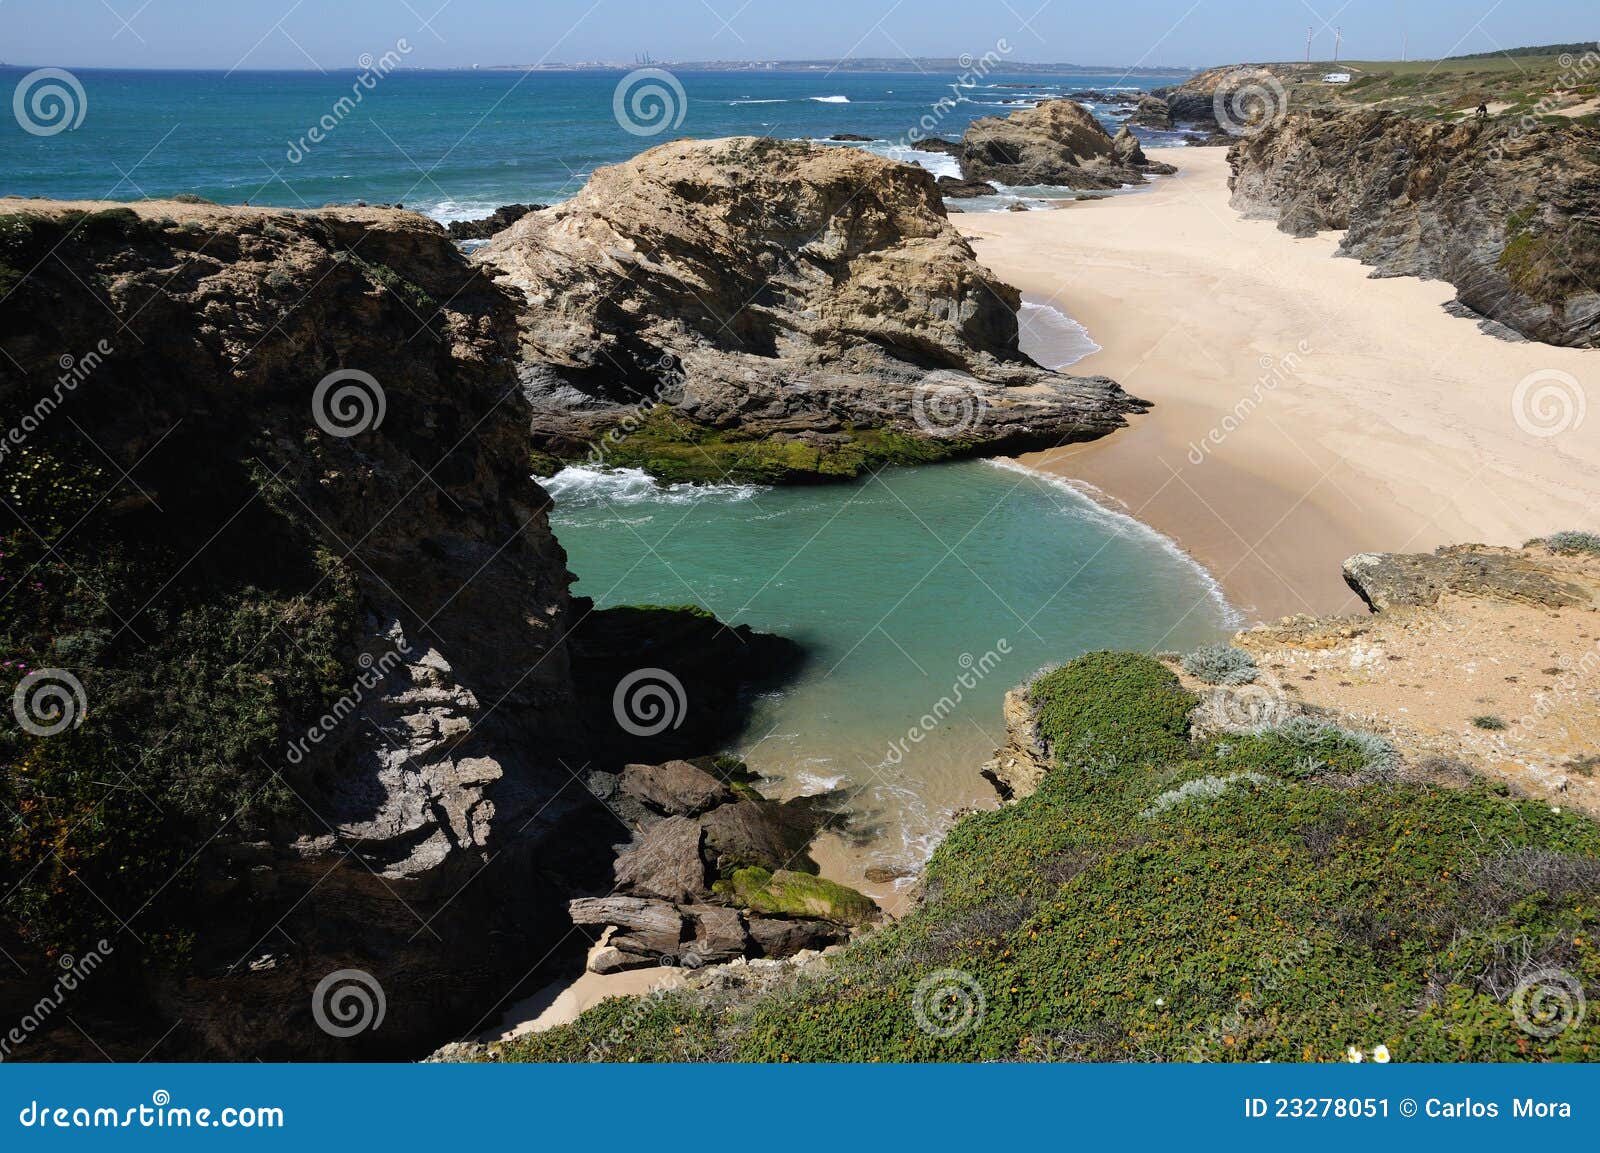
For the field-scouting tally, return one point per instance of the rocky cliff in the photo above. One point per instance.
(1059, 143)
(1502, 211)
(776, 310)
(299, 688)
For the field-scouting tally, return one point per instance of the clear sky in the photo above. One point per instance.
(334, 34)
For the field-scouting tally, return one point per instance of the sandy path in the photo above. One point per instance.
(1350, 414)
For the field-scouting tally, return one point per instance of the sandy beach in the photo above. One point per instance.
(1304, 412)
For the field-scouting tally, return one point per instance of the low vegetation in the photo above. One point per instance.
(1221, 665)
(675, 450)
(1289, 899)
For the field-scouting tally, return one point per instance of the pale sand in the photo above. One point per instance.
(1395, 431)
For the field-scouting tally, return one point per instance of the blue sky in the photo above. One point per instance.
(450, 33)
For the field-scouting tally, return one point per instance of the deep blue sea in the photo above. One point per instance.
(457, 144)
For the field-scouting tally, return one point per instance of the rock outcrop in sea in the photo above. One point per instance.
(1058, 143)
(813, 300)
(1502, 210)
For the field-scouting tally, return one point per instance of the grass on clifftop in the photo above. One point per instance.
(1264, 896)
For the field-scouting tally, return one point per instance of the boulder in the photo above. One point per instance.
(776, 937)
(664, 861)
(676, 787)
(758, 832)
(719, 935)
(950, 186)
(1058, 142)
(1388, 581)
(642, 926)
(782, 292)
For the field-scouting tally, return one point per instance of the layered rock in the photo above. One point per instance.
(486, 226)
(1501, 210)
(1058, 143)
(713, 871)
(794, 292)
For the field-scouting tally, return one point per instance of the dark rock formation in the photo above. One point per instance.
(854, 137)
(961, 189)
(486, 226)
(938, 144)
(1057, 143)
(777, 290)
(1388, 581)
(1503, 211)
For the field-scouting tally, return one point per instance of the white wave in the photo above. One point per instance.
(1091, 503)
(815, 784)
(777, 100)
(938, 163)
(577, 486)
(831, 99)
(1061, 341)
(447, 210)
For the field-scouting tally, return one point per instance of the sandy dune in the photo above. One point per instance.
(1304, 412)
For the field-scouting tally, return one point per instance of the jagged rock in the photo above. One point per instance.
(1057, 143)
(613, 960)
(484, 227)
(1126, 148)
(642, 926)
(1503, 210)
(665, 862)
(676, 787)
(938, 144)
(962, 189)
(855, 137)
(764, 833)
(774, 937)
(440, 764)
(1152, 112)
(778, 289)
(719, 935)
(1393, 580)
(1016, 770)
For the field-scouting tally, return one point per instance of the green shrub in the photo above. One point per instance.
(1490, 722)
(1573, 542)
(1221, 665)
(1122, 705)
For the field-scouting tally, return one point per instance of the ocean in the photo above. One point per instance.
(904, 587)
(458, 144)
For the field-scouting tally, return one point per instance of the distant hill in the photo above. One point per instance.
(1540, 50)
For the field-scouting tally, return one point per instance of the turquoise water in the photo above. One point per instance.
(899, 586)
(453, 144)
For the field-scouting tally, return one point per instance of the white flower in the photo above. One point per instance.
(1381, 1054)
(1354, 1055)
(1556, 809)
(1160, 1001)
